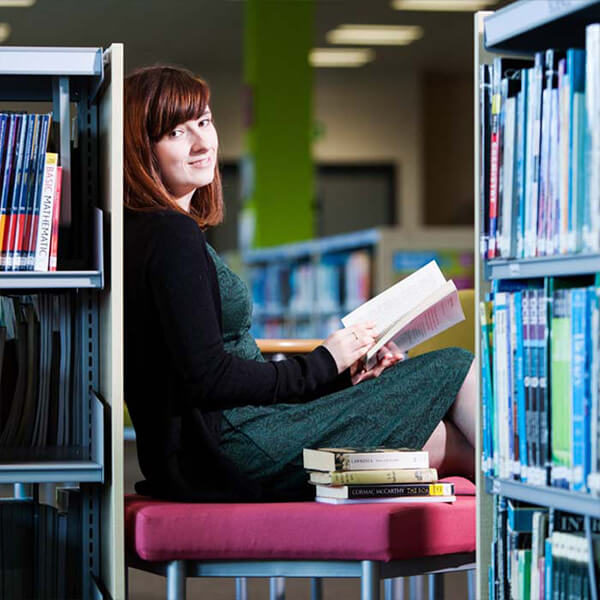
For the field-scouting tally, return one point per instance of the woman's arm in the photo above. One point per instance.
(179, 278)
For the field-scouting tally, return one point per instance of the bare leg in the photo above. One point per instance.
(462, 412)
(449, 452)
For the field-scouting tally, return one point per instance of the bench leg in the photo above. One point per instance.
(369, 581)
(277, 588)
(176, 580)
(436, 586)
(416, 585)
(394, 588)
(316, 588)
(241, 588)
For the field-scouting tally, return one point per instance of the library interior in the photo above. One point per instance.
(431, 166)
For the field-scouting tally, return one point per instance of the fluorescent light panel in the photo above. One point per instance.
(4, 32)
(443, 5)
(16, 3)
(380, 35)
(340, 57)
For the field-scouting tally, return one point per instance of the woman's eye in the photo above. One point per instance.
(205, 121)
(175, 133)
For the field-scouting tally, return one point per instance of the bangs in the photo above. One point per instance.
(178, 97)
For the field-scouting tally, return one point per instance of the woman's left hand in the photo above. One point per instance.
(387, 356)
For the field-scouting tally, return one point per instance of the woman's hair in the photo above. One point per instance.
(157, 99)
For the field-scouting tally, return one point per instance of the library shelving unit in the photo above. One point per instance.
(302, 289)
(83, 88)
(520, 30)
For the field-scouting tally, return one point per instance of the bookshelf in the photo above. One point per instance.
(302, 289)
(515, 471)
(84, 89)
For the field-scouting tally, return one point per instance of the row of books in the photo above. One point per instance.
(540, 148)
(40, 547)
(365, 475)
(40, 372)
(541, 554)
(337, 282)
(30, 188)
(540, 383)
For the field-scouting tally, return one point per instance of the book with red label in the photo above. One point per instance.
(7, 173)
(55, 222)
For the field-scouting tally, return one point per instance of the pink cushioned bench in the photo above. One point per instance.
(300, 539)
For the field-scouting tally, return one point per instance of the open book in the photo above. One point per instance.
(411, 311)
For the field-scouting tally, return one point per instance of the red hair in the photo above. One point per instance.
(157, 99)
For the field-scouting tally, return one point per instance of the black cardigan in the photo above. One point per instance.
(178, 377)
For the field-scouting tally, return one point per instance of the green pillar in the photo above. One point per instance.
(277, 172)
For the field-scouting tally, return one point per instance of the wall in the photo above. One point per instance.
(364, 117)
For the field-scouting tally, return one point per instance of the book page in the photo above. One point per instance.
(441, 311)
(389, 306)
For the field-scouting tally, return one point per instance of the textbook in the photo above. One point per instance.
(360, 459)
(403, 490)
(396, 499)
(411, 311)
(373, 476)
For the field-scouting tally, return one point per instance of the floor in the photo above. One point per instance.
(145, 586)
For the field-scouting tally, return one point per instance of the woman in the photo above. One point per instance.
(213, 420)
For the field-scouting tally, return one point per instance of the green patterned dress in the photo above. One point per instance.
(401, 408)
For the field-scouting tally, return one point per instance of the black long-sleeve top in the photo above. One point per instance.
(178, 376)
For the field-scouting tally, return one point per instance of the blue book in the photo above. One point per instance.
(548, 569)
(3, 135)
(520, 386)
(578, 391)
(486, 388)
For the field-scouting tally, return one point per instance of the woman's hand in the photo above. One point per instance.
(349, 344)
(387, 356)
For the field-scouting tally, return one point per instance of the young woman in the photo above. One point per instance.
(213, 420)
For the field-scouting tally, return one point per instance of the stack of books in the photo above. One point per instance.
(363, 475)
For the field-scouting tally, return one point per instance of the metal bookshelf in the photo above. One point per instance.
(526, 26)
(543, 266)
(92, 80)
(573, 502)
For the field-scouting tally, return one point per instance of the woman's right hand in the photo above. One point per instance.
(349, 344)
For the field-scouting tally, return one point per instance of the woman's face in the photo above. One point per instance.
(187, 155)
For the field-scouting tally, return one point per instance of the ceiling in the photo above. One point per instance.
(206, 35)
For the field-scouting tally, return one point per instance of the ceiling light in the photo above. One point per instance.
(340, 57)
(381, 35)
(16, 3)
(4, 32)
(443, 5)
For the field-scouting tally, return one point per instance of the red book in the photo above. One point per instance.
(55, 222)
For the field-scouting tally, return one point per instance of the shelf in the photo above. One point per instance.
(574, 502)
(542, 266)
(525, 27)
(51, 471)
(50, 61)
(52, 279)
(337, 243)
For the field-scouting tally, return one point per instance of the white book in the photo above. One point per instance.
(411, 311)
(362, 459)
(44, 228)
(592, 101)
(420, 500)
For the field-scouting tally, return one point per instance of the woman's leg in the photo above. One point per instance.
(462, 412)
(449, 452)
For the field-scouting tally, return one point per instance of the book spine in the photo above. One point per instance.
(371, 491)
(578, 334)
(383, 476)
(7, 175)
(563, 161)
(55, 222)
(560, 338)
(521, 165)
(381, 460)
(591, 241)
(520, 385)
(485, 95)
(494, 157)
(44, 229)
